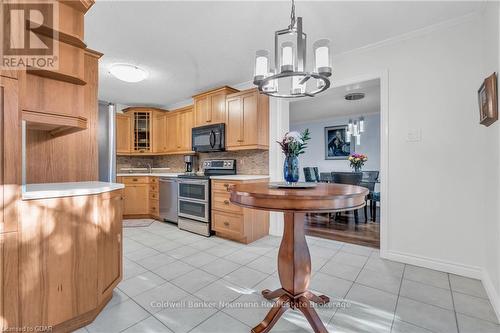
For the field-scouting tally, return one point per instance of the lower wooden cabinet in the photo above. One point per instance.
(109, 245)
(234, 222)
(135, 200)
(141, 196)
(70, 258)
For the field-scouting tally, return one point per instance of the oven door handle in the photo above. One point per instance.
(212, 139)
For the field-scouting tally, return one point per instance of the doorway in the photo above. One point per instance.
(343, 121)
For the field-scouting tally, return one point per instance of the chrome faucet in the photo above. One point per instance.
(148, 165)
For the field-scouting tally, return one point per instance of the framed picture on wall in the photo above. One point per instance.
(488, 101)
(336, 146)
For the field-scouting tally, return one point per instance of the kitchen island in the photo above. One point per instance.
(69, 252)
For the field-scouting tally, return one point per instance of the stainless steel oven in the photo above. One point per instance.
(194, 199)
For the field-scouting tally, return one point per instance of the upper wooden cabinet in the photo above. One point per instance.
(179, 125)
(210, 106)
(247, 120)
(123, 133)
(140, 130)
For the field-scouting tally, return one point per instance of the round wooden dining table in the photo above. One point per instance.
(294, 260)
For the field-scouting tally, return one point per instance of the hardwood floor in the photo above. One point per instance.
(344, 229)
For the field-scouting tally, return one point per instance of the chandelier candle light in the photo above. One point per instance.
(289, 77)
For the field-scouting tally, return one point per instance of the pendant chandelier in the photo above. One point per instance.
(354, 129)
(289, 77)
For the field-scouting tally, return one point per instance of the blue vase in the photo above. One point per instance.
(291, 169)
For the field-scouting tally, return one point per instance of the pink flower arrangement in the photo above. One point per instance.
(357, 160)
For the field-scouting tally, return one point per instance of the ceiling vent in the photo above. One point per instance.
(354, 96)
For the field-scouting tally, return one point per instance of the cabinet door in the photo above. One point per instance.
(172, 132)
(233, 127)
(135, 199)
(159, 141)
(123, 134)
(202, 111)
(185, 127)
(9, 282)
(10, 162)
(218, 108)
(249, 119)
(109, 246)
(142, 132)
(57, 258)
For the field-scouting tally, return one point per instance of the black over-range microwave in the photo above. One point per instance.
(209, 138)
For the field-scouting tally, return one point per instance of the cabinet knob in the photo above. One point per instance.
(226, 224)
(135, 179)
(226, 202)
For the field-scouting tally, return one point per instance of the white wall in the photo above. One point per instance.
(490, 63)
(315, 153)
(442, 191)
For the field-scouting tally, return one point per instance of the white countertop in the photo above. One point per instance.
(58, 190)
(221, 177)
(154, 174)
(239, 177)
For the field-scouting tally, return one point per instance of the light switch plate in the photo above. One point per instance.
(414, 135)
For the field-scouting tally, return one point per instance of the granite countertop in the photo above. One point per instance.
(71, 189)
(239, 177)
(154, 174)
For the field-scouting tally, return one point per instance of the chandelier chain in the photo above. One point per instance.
(292, 16)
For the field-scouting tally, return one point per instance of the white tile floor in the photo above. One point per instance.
(175, 281)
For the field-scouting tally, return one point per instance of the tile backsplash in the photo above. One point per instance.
(250, 162)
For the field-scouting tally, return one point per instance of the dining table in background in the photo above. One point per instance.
(294, 260)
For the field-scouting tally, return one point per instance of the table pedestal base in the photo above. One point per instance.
(294, 269)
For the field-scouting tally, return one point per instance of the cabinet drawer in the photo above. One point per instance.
(220, 201)
(153, 187)
(153, 180)
(135, 180)
(153, 209)
(220, 185)
(153, 196)
(228, 223)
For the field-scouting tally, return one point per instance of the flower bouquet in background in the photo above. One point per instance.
(293, 144)
(357, 161)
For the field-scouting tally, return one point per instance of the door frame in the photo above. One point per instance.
(284, 113)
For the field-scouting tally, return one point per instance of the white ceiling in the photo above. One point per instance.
(188, 47)
(332, 103)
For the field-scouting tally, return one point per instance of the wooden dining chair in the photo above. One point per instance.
(349, 178)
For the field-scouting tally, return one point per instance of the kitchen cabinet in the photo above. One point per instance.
(10, 162)
(179, 125)
(247, 120)
(141, 196)
(141, 131)
(159, 140)
(210, 106)
(234, 222)
(109, 245)
(135, 199)
(69, 257)
(123, 134)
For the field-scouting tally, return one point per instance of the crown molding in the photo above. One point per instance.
(413, 34)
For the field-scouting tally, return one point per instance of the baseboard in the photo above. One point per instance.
(439, 265)
(491, 292)
(473, 272)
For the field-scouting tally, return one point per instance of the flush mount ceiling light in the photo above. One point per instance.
(289, 78)
(354, 96)
(128, 73)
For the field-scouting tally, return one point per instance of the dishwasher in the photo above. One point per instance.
(168, 199)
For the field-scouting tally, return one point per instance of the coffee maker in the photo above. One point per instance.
(190, 163)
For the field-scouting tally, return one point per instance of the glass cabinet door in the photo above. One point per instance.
(142, 131)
